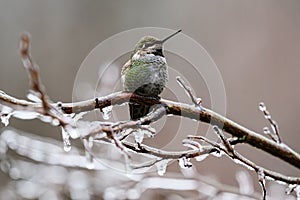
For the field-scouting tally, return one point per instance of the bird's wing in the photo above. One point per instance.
(126, 66)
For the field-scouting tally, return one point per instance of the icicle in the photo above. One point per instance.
(184, 162)
(161, 167)
(73, 132)
(106, 112)
(128, 168)
(139, 136)
(90, 160)
(297, 190)
(5, 118)
(66, 140)
(5, 114)
(245, 182)
(88, 144)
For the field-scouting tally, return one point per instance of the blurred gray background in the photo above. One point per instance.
(255, 44)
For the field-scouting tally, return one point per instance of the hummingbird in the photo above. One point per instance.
(145, 73)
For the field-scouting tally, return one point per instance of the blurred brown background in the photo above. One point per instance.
(255, 44)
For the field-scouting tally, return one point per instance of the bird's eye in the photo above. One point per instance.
(148, 44)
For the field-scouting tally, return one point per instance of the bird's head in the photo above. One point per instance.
(149, 44)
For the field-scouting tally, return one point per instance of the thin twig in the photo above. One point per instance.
(262, 182)
(33, 70)
(145, 149)
(175, 108)
(235, 155)
(36, 84)
(272, 122)
(197, 101)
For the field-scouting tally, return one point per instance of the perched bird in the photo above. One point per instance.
(145, 73)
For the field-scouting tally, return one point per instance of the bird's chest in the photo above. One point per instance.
(148, 76)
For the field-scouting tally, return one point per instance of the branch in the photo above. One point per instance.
(175, 108)
(33, 70)
(188, 90)
(32, 149)
(109, 132)
(236, 156)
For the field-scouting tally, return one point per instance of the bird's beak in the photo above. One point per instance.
(162, 41)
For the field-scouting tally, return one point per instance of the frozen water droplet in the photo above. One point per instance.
(266, 130)
(267, 114)
(66, 140)
(201, 157)
(184, 162)
(161, 167)
(262, 106)
(139, 136)
(55, 122)
(67, 145)
(59, 104)
(5, 118)
(90, 165)
(106, 112)
(91, 142)
(88, 144)
(72, 131)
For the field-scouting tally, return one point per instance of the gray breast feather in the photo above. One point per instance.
(148, 79)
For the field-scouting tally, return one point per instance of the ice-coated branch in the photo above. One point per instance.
(33, 70)
(46, 155)
(275, 135)
(41, 107)
(197, 101)
(175, 108)
(37, 92)
(228, 149)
